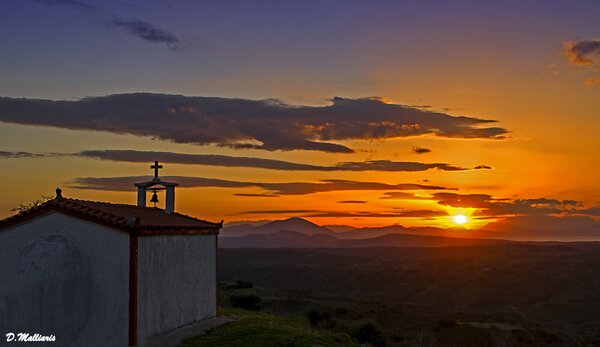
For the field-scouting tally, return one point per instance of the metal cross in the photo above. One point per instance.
(156, 167)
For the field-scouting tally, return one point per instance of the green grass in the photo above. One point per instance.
(263, 330)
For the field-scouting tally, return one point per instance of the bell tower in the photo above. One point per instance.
(168, 187)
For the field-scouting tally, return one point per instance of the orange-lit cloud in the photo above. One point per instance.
(403, 196)
(580, 52)
(489, 206)
(591, 81)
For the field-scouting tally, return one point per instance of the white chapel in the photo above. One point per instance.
(93, 273)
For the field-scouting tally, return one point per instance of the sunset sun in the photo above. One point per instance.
(460, 219)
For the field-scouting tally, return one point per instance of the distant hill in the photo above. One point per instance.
(293, 239)
(525, 228)
(292, 224)
(300, 233)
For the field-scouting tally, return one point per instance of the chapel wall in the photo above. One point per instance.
(67, 277)
(177, 281)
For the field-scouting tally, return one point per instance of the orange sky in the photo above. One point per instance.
(533, 88)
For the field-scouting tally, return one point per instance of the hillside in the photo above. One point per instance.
(548, 292)
(260, 329)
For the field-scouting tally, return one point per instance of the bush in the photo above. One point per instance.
(369, 334)
(447, 323)
(323, 320)
(341, 311)
(247, 302)
(241, 285)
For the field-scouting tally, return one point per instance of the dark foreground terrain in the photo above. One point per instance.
(505, 295)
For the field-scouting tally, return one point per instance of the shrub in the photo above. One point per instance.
(446, 323)
(247, 302)
(241, 285)
(320, 319)
(369, 334)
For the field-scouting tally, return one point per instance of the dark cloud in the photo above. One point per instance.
(421, 150)
(301, 188)
(482, 167)
(287, 188)
(546, 201)
(352, 202)
(257, 195)
(78, 5)
(387, 165)
(4, 154)
(464, 200)
(260, 124)
(398, 214)
(594, 211)
(138, 28)
(489, 206)
(229, 161)
(277, 212)
(133, 156)
(126, 183)
(355, 214)
(147, 31)
(542, 226)
(579, 52)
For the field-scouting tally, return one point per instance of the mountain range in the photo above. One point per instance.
(300, 233)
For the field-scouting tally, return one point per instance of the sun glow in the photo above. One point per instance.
(460, 219)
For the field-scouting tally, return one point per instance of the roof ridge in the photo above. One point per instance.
(193, 218)
(143, 207)
(115, 204)
(97, 212)
(117, 214)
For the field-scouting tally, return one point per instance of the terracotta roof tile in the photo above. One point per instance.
(119, 215)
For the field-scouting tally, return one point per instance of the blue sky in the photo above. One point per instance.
(62, 51)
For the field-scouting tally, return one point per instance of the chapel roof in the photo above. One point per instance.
(150, 220)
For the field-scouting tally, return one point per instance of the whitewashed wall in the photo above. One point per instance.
(65, 276)
(177, 282)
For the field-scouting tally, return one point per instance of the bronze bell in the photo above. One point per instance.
(154, 198)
